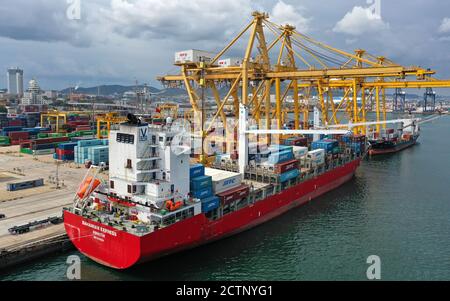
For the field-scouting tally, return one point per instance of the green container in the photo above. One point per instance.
(55, 135)
(87, 133)
(4, 139)
(26, 151)
(42, 135)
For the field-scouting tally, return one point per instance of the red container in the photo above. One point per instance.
(83, 128)
(63, 152)
(77, 123)
(286, 166)
(51, 140)
(390, 131)
(15, 122)
(301, 141)
(234, 155)
(18, 135)
(234, 194)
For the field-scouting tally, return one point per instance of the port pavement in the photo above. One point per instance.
(24, 206)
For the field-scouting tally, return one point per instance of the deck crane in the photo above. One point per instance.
(294, 65)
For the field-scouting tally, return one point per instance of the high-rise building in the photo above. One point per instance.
(15, 81)
(33, 95)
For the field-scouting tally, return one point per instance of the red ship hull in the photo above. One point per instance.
(121, 250)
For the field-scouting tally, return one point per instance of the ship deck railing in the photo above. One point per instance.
(266, 185)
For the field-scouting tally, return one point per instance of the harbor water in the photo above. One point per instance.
(397, 207)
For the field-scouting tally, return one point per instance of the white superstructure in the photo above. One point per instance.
(145, 167)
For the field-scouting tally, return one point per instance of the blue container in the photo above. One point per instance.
(356, 147)
(31, 131)
(276, 158)
(327, 145)
(202, 193)
(196, 170)
(289, 175)
(8, 129)
(280, 148)
(210, 204)
(67, 146)
(92, 142)
(24, 185)
(199, 183)
(44, 146)
(336, 150)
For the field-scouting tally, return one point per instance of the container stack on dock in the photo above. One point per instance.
(79, 123)
(95, 150)
(44, 146)
(65, 151)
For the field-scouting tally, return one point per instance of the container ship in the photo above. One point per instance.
(391, 141)
(156, 201)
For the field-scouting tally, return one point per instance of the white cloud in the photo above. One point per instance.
(359, 21)
(176, 19)
(445, 26)
(283, 13)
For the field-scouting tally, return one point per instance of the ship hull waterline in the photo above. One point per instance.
(121, 250)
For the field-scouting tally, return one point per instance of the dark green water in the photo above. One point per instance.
(397, 207)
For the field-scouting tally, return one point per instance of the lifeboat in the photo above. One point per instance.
(83, 191)
(171, 206)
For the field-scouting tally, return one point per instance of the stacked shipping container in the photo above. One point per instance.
(95, 150)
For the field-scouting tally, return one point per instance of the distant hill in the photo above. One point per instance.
(109, 90)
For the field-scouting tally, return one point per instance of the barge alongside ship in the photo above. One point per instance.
(392, 141)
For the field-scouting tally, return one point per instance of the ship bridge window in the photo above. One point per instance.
(125, 138)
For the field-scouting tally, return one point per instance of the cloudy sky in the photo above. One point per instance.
(118, 41)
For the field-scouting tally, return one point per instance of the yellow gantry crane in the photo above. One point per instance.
(296, 67)
(167, 110)
(55, 117)
(108, 119)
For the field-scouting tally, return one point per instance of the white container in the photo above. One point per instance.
(300, 151)
(223, 180)
(230, 62)
(317, 157)
(193, 56)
